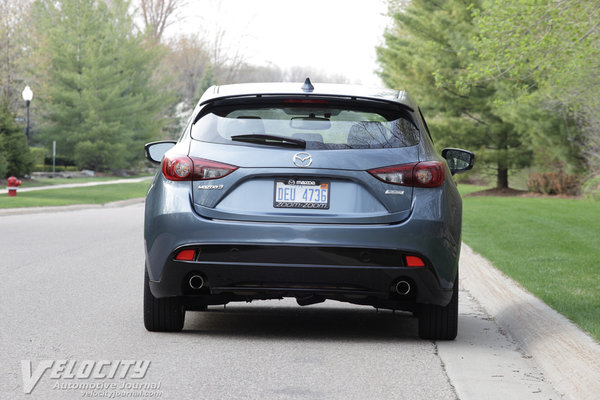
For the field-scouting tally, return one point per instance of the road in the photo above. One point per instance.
(71, 289)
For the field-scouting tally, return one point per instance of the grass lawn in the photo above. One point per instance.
(84, 195)
(468, 189)
(549, 245)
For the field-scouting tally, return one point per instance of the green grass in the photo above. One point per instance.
(465, 189)
(84, 195)
(551, 246)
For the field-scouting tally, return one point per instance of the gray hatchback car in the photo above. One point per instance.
(314, 192)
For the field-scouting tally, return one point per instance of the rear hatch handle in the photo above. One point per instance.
(271, 140)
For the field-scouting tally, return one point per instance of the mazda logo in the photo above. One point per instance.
(302, 160)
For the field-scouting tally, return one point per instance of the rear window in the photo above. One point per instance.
(320, 126)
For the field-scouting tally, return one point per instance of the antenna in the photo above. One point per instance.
(308, 86)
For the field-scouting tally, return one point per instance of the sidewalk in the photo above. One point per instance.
(73, 185)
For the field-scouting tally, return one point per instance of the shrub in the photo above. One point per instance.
(59, 160)
(57, 168)
(38, 154)
(591, 187)
(553, 183)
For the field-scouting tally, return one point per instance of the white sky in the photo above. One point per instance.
(336, 36)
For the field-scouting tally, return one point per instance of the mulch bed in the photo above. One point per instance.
(508, 192)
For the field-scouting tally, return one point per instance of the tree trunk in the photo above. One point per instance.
(502, 178)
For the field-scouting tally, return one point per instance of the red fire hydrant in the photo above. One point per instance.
(13, 184)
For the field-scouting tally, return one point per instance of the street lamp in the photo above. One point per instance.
(27, 96)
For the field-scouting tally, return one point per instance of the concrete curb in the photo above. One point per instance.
(569, 357)
(38, 210)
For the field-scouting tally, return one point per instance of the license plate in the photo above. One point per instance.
(301, 193)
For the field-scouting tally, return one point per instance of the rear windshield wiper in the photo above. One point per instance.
(271, 140)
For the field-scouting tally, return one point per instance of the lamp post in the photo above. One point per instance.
(27, 96)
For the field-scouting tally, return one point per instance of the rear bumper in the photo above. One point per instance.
(245, 281)
(172, 225)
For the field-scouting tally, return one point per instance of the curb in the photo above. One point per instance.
(569, 357)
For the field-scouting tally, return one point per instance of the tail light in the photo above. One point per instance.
(306, 101)
(184, 168)
(427, 174)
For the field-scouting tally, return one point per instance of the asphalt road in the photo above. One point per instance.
(71, 289)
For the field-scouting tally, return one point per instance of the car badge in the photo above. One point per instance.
(302, 160)
(391, 191)
(210, 187)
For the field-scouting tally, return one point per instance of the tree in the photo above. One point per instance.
(207, 80)
(555, 44)
(426, 51)
(299, 74)
(157, 16)
(15, 158)
(188, 61)
(102, 100)
(13, 46)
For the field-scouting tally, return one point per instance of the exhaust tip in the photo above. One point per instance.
(196, 282)
(402, 288)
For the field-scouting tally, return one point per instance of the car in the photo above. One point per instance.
(308, 191)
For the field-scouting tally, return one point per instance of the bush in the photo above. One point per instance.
(554, 183)
(59, 160)
(58, 168)
(38, 154)
(591, 187)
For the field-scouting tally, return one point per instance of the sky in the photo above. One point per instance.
(336, 36)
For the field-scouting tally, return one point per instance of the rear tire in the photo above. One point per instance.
(162, 315)
(437, 322)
